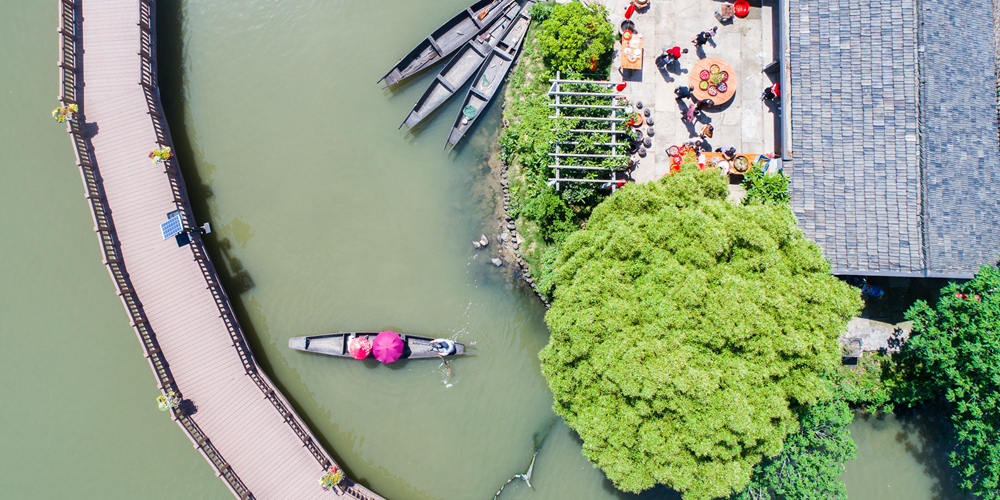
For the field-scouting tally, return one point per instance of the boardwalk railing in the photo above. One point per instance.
(70, 71)
(70, 64)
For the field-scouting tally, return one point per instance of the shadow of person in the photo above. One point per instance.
(674, 66)
(665, 72)
(712, 41)
(700, 51)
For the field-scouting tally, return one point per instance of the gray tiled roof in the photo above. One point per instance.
(859, 187)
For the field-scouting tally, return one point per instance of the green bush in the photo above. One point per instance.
(575, 37)
(863, 385)
(541, 11)
(810, 466)
(684, 332)
(763, 188)
(952, 359)
(553, 217)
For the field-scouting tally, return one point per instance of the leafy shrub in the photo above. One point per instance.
(810, 465)
(553, 216)
(863, 385)
(684, 332)
(541, 11)
(763, 188)
(575, 38)
(952, 358)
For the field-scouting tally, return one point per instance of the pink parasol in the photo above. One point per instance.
(359, 347)
(388, 347)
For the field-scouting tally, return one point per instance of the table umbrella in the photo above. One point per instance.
(359, 347)
(388, 347)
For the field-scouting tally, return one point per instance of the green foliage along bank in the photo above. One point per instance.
(810, 466)
(563, 37)
(686, 331)
(952, 359)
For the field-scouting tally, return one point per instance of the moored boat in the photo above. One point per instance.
(446, 39)
(462, 66)
(340, 345)
(488, 80)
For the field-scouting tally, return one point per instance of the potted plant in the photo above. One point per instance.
(65, 113)
(332, 477)
(169, 400)
(160, 155)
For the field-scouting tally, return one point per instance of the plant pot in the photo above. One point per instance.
(637, 121)
(627, 26)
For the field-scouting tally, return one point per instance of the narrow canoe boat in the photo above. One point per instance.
(446, 39)
(335, 344)
(490, 76)
(460, 68)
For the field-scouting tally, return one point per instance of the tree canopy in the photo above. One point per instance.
(953, 358)
(576, 38)
(684, 332)
(810, 466)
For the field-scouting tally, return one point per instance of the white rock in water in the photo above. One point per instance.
(496, 261)
(477, 244)
(484, 241)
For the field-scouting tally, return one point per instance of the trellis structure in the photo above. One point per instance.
(568, 107)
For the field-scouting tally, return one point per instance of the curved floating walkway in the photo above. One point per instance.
(232, 413)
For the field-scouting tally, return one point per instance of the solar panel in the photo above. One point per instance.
(172, 227)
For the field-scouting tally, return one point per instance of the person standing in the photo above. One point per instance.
(703, 37)
(674, 54)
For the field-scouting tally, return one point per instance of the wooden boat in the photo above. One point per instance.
(446, 39)
(462, 66)
(335, 344)
(488, 80)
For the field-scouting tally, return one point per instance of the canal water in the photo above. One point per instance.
(325, 218)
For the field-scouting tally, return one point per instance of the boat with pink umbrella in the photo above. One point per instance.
(386, 346)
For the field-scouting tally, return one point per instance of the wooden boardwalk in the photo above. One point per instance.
(232, 413)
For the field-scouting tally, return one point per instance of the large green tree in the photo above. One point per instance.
(684, 331)
(953, 359)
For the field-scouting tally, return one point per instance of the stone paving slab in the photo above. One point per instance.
(745, 122)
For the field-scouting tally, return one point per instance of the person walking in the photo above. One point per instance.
(683, 92)
(701, 105)
(703, 37)
(674, 54)
(707, 131)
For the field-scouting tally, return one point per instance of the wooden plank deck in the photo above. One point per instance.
(233, 414)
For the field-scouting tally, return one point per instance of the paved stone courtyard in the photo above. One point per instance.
(746, 44)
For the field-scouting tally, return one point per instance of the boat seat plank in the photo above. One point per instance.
(434, 43)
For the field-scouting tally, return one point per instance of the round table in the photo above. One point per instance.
(694, 79)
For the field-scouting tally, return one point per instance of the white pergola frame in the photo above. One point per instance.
(556, 92)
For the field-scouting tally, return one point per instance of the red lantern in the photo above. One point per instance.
(593, 63)
(741, 8)
(621, 86)
(629, 11)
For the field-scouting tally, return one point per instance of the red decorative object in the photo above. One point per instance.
(629, 11)
(741, 8)
(621, 86)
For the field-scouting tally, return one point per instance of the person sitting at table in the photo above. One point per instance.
(728, 152)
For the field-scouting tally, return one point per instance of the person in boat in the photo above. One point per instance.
(444, 347)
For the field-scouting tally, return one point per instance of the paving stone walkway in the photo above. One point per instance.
(746, 44)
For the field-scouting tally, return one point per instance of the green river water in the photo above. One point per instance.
(326, 219)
